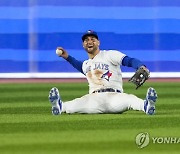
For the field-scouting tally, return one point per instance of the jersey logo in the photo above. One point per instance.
(106, 75)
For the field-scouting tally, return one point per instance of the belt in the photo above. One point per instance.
(107, 90)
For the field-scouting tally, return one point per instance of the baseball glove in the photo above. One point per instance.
(140, 76)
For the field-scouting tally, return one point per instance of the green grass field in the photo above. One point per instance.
(27, 126)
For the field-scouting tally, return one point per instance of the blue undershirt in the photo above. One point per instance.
(75, 63)
(132, 62)
(127, 61)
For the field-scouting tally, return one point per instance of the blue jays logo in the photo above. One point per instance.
(106, 75)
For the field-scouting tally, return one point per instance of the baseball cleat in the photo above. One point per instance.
(149, 103)
(55, 101)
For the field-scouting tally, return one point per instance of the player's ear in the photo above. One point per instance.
(98, 43)
(83, 44)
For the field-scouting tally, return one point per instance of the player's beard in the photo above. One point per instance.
(92, 49)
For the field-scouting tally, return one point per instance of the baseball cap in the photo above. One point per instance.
(89, 33)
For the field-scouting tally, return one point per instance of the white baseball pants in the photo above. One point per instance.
(106, 102)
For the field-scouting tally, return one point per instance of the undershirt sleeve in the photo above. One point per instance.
(132, 62)
(75, 63)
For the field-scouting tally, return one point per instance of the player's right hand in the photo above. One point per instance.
(64, 54)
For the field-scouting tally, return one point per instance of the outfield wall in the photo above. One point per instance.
(32, 29)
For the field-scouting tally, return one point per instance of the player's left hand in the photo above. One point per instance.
(140, 76)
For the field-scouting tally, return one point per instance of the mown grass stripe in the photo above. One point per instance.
(27, 126)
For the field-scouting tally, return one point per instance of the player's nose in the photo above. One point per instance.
(89, 42)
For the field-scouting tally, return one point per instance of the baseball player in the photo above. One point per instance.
(104, 76)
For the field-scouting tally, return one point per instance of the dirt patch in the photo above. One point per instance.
(42, 80)
(71, 80)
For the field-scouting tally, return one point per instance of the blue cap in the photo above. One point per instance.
(89, 33)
